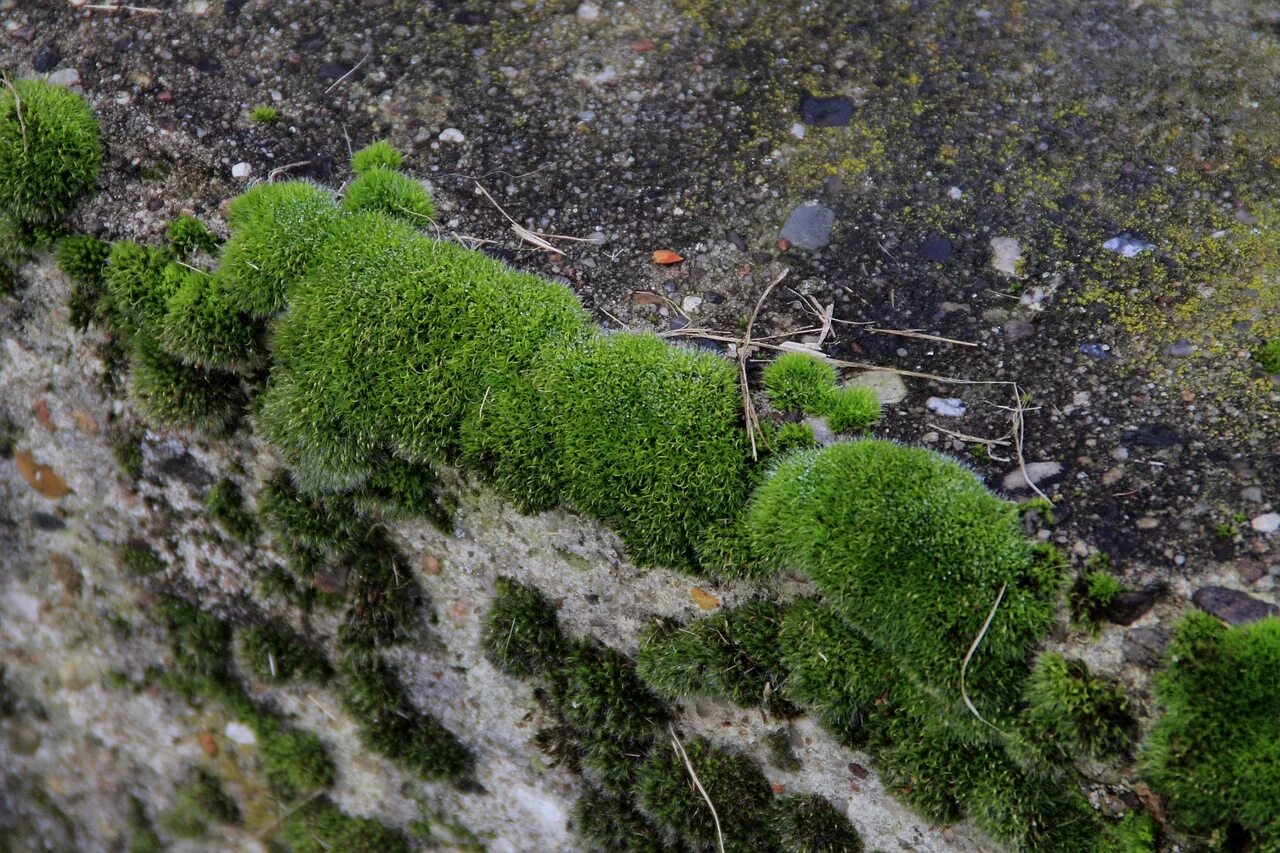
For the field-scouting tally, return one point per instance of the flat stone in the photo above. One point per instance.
(1232, 606)
(947, 407)
(836, 111)
(1131, 605)
(65, 77)
(241, 170)
(1145, 646)
(1006, 255)
(1036, 473)
(1252, 494)
(452, 135)
(240, 733)
(936, 248)
(588, 12)
(887, 385)
(1268, 522)
(1018, 330)
(809, 226)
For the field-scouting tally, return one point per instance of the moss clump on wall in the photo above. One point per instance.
(1214, 754)
(734, 653)
(521, 633)
(204, 327)
(50, 152)
(1268, 356)
(188, 235)
(83, 259)
(180, 396)
(201, 801)
(810, 824)
(139, 559)
(1090, 596)
(1075, 713)
(798, 382)
(390, 192)
(912, 550)
(275, 653)
(225, 505)
(319, 826)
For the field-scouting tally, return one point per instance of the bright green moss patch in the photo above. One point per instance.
(733, 653)
(793, 436)
(49, 150)
(521, 634)
(810, 824)
(798, 382)
(188, 235)
(376, 155)
(390, 192)
(1090, 596)
(666, 795)
(390, 724)
(910, 548)
(276, 230)
(1214, 754)
(263, 114)
(1268, 356)
(321, 827)
(1134, 833)
(137, 284)
(201, 801)
(852, 409)
(203, 326)
(138, 559)
(275, 653)
(172, 394)
(1074, 712)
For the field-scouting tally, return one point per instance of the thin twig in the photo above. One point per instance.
(17, 109)
(973, 647)
(684, 756)
(114, 7)
(908, 334)
(343, 78)
(280, 170)
(605, 311)
(323, 709)
(749, 415)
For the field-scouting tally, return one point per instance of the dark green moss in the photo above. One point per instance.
(383, 591)
(137, 283)
(203, 326)
(295, 761)
(144, 837)
(612, 824)
(304, 522)
(201, 801)
(734, 784)
(396, 488)
(521, 634)
(225, 505)
(1214, 754)
(83, 259)
(810, 824)
(1075, 712)
(391, 725)
(200, 644)
(138, 559)
(1268, 356)
(597, 690)
(172, 394)
(276, 653)
(798, 382)
(188, 235)
(734, 654)
(49, 150)
(1134, 833)
(319, 826)
(781, 753)
(127, 452)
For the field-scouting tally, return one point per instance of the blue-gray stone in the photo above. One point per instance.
(809, 226)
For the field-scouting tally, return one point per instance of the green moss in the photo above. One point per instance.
(793, 436)
(204, 326)
(83, 259)
(391, 725)
(1090, 596)
(734, 654)
(276, 653)
(612, 824)
(781, 753)
(648, 437)
(852, 409)
(1075, 712)
(201, 801)
(200, 644)
(49, 150)
(597, 691)
(304, 522)
(181, 396)
(393, 193)
(810, 824)
(138, 559)
(911, 549)
(188, 235)
(521, 635)
(1214, 754)
(1134, 833)
(384, 595)
(263, 114)
(138, 281)
(145, 839)
(276, 230)
(320, 827)
(396, 488)
(376, 155)
(225, 505)
(798, 382)
(295, 761)
(1268, 356)
(733, 783)
(832, 669)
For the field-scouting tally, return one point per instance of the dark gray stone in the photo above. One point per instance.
(1131, 605)
(1232, 606)
(1145, 647)
(809, 226)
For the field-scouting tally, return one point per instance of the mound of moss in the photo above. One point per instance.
(1214, 754)
(50, 152)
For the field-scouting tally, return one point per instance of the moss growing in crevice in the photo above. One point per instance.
(1090, 596)
(275, 653)
(319, 826)
(201, 801)
(810, 824)
(83, 259)
(521, 633)
(226, 506)
(1075, 713)
(138, 559)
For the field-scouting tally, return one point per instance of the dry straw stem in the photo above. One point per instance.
(684, 756)
(343, 78)
(536, 238)
(116, 7)
(973, 647)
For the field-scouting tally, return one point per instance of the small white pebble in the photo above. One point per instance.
(241, 170)
(451, 134)
(691, 304)
(797, 130)
(588, 12)
(240, 733)
(955, 193)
